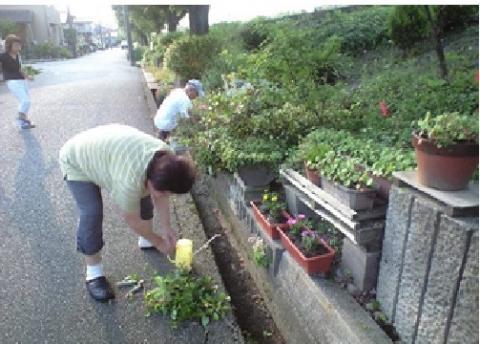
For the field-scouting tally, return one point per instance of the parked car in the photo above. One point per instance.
(124, 44)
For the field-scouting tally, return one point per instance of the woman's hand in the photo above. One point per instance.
(163, 245)
(171, 237)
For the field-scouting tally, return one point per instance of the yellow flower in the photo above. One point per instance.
(274, 198)
(265, 197)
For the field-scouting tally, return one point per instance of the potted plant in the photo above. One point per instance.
(446, 148)
(387, 161)
(270, 213)
(312, 150)
(255, 159)
(342, 179)
(306, 246)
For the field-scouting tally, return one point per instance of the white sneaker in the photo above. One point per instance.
(144, 243)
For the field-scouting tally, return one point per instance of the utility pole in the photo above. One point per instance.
(72, 34)
(129, 34)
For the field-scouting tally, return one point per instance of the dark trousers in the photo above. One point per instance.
(88, 198)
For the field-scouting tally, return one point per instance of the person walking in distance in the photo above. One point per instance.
(15, 79)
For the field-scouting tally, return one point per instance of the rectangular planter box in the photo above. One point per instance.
(313, 265)
(354, 199)
(270, 228)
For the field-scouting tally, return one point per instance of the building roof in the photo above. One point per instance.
(17, 16)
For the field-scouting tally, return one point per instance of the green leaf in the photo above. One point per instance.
(205, 320)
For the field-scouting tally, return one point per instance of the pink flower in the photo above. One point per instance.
(291, 222)
(384, 109)
(301, 216)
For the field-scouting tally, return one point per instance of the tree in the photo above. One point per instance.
(7, 27)
(435, 19)
(198, 19)
(146, 19)
(174, 15)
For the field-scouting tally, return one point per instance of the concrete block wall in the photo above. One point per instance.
(307, 309)
(428, 279)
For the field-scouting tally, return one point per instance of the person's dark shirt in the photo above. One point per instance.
(11, 67)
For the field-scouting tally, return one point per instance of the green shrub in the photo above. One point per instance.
(138, 53)
(360, 30)
(253, 34)
(293, 58)
(408, 25)
(49, 50)
(458, 17)
(190, 56)
(155, 56)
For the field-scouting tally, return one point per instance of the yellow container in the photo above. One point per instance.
(184, 254)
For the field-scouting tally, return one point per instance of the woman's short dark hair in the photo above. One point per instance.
(170, 172)
(9, 40)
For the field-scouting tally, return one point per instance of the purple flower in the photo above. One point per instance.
(308, 233)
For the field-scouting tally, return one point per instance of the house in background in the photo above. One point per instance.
(35, 23)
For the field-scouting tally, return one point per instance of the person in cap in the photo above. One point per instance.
(140, 172)
(177, 104)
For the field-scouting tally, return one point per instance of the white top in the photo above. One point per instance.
(175, 105)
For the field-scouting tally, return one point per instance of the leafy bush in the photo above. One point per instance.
(138, 53)
(49, 50)
(457, 17)
(410, 89)
(294, 57)
(235, 154)
(190, 56)
(449, 128)
(225, 63)
(360, 30)
(408, 25)
(253, 34)
(155, 56)
(7, 27)
(183, 296)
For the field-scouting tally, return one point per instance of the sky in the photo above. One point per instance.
(220, 11)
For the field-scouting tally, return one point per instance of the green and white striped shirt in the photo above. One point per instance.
(115, 157)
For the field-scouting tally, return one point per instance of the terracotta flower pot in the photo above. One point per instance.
(312, 175)
(270, 228)
(313, 265)
(448, 168)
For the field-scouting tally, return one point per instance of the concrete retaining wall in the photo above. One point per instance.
(428, 280)
(306, 309)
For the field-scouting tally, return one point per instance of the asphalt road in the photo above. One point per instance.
(42, 293)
